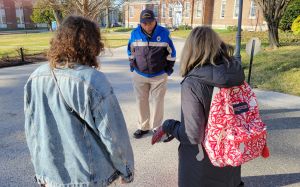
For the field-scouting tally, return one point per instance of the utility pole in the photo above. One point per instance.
(238, 34)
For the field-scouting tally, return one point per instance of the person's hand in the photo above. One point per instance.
(123, 181)
(157, 135)
(131, 65)
(161, 135)
(168, 138)
(128, 179)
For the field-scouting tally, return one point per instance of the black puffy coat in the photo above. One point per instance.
(196, 95)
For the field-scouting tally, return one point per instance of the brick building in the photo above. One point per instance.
(15, 14)
(215, 13)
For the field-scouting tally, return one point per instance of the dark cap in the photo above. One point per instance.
(147, 16)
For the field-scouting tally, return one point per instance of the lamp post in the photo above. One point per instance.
(238, 34)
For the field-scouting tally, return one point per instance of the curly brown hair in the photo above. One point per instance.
(77, 41)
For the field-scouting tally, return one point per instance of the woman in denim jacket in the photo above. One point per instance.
(66, 150)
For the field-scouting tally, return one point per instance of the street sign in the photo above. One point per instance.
(256, 46)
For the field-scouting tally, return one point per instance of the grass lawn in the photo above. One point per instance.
(277, 70)
(113, 40)
(273, 69)
(39, 42)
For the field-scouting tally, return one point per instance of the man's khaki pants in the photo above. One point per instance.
(150, 90)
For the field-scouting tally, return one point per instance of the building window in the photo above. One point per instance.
(252, 10)
(163, 10)
(187, 9)
(236, 8)
(131, 11)
(149, 6)
(199, 8)
(223, 6)
(170, 10)
(20, 15)
(155, 10)
(2, 14)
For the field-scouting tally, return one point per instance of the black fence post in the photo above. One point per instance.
(22, 54)
(251, 61)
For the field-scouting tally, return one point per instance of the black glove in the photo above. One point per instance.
(168, 138)
(168, 127)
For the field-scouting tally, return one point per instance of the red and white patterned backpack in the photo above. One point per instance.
(235, 132)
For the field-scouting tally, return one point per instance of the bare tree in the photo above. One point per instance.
(273, 11)
(88, 8)
(93, 8)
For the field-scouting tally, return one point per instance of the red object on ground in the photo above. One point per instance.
(157, 135)
(265, 152)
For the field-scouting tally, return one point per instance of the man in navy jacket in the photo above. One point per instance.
(152, 56)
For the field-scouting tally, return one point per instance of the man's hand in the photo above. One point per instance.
(131, 64)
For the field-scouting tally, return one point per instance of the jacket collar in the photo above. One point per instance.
(155, 32)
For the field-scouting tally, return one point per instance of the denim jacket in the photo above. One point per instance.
(65, 152)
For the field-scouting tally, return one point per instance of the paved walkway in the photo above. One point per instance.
(156, 166)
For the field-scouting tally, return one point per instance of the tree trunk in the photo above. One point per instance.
(273, 34)
(50, 26)
(108, 24)
(58, 17)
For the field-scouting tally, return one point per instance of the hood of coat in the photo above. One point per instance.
(222, 75)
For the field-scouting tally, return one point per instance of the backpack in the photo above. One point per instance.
(235, 132)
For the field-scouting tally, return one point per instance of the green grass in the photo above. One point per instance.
(113, 40)
(32, 43)
(273, 69)
(277, 70)
(39, 42)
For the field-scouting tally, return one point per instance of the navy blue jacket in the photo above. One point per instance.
(151, 56)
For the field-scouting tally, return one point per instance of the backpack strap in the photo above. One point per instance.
(200, 155)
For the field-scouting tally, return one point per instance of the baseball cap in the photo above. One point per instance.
(147, 16)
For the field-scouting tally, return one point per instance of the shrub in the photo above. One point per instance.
(232, 28)
(105, 31)
(296, 26)
(122, 29)
(185, 27)
(290, 14)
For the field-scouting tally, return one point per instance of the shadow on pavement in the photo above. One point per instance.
(264, 112)
(280, 119)
(272, 180)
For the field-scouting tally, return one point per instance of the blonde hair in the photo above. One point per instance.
(203, 46)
